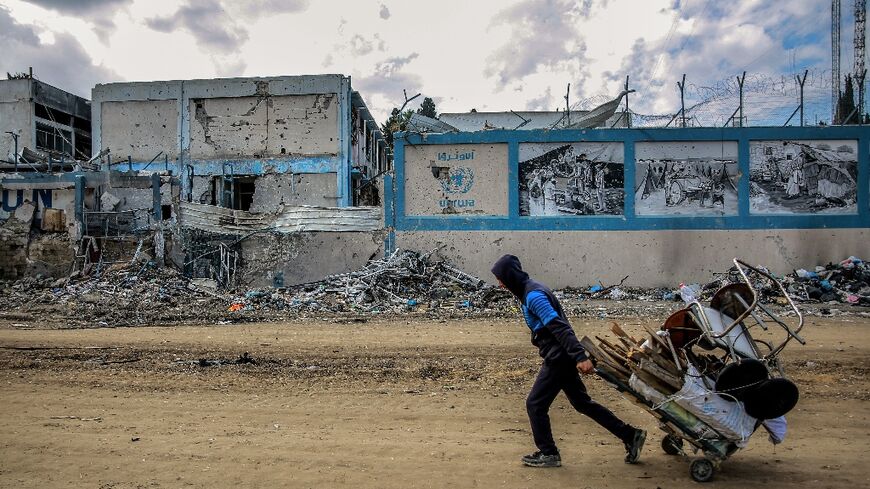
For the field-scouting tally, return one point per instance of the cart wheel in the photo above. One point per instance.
(676, 193)
(702, 470)
(672, 445)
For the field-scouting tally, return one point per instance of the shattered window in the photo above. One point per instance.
(235, 192)
(52, 139)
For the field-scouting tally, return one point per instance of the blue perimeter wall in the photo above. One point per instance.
(394, 195)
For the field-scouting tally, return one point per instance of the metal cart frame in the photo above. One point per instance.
(744, 300)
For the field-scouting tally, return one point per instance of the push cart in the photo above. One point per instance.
(709, 383)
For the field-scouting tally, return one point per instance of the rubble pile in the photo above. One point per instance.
(404, 281)
(122, 294)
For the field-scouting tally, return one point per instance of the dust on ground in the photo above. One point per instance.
(363, 402)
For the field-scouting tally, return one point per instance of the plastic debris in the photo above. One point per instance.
(690, 293)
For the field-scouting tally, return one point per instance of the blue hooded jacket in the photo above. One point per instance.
(551, 332)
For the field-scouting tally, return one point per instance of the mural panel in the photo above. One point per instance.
(456, 179)
(576, 179)
(678, 178)
(803, 177)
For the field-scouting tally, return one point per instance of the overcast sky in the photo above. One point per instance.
(488, 55)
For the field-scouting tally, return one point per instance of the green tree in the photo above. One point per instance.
(427, 108)
(395, 123)
(399, 121)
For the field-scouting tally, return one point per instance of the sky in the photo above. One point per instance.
(489, 55)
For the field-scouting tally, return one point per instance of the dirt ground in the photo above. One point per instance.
(392, 404)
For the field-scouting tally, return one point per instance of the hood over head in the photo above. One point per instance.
(510, 272)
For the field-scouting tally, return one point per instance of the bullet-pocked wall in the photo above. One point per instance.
(659, 205)
(16, 116)
(222, 136)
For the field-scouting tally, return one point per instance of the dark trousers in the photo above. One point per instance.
(564, 377)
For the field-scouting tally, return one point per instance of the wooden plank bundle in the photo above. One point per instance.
(653, 359)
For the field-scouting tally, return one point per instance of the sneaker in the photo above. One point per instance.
(539, 459)
(633, 447)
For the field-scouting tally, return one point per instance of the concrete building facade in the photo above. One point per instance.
(244, 143)
(43, 118)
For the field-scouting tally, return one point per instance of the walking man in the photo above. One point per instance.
(564, 358)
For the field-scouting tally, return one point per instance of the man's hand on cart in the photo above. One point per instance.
(585, 367)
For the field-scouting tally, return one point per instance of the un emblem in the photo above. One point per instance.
(459, 180)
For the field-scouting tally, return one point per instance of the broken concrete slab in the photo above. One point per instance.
(109, 201)
(25, 212)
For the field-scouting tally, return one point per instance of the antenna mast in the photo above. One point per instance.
(860, 22)
(835, 59)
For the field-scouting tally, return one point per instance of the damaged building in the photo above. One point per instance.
(44, 132)
(254, 181)
(272, 179)
(37, 116)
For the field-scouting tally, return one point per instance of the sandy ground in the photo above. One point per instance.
(409, 403)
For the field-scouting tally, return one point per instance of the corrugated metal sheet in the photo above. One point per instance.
(421, 123)
(287, 220)
(602, 116)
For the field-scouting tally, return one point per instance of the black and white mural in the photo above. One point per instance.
(578, 179)
(803, 177)
(697, 179)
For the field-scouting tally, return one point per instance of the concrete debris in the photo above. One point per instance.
(122, 295)
(404, 281)
(108, 201)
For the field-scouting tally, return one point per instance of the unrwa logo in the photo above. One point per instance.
(459, 180)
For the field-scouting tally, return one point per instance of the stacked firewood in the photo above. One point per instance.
(653, 360)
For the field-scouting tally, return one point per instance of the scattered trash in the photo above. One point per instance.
(690, 293)
(617, 294)
(847, 282)
(406, 282)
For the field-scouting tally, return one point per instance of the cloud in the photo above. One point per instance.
(208, 22)
(79, 8)
(390, 78)
(98, 12)
(544, 36)
(229, 68)
(713, 44)
(64, 64)
(385, 12)
(261, 8)
(360, 46)
(544, 102)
